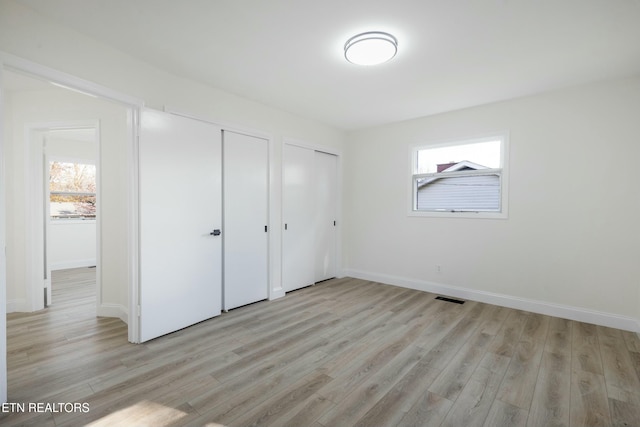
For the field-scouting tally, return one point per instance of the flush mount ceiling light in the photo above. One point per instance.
(371, 48)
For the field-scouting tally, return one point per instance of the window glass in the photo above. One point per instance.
(460, 177)
(72, 189)
(433, 160)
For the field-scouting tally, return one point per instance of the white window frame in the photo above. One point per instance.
(502, 172)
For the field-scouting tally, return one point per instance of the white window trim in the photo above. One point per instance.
(503, 136)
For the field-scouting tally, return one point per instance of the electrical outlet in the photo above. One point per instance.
(438, 268)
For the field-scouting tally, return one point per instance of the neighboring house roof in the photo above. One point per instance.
(465, 164)
(451, 167)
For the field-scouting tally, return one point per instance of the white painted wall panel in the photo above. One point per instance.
(55, 106)
(571, 236)
(72, 244)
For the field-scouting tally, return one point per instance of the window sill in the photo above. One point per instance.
(459, 214)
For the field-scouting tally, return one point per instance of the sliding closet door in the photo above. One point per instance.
(325, 192)
(298, 256)
(180, 221)
(245, 195)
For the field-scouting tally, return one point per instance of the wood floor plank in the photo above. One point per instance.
(429, 411)
(509, 334)
(362, 397)
(589, 404)
(232, 403)
(625, 413)
(619, 371)
(344, 352)
(450, 342)
(271, 410)
(635, 360)
(551, 397)
(632, 340)
(495, 320)
(357, 373)
(291, 362)
(352, 364)
(475, 401)
(394, 405)
(460, 368)
(586, 349)
(505, 415)
(306, 413)
(520, 381)
(304, 325)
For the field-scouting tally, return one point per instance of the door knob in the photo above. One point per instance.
(216, 232)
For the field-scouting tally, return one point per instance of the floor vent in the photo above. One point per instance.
(457, 301)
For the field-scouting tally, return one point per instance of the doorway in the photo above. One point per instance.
(117, 295)
(71, 197)
(37, 111)
(46, 123)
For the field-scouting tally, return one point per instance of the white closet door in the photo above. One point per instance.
(298, 219)
(245, 183)
(325, 184)
(180, 207)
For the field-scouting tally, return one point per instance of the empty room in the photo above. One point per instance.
(297, 213)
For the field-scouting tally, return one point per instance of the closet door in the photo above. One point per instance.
(325, 192)
(298, 237)
(245, 239)
(180, 220)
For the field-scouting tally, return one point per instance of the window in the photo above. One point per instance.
(462, 178)
(72, 190)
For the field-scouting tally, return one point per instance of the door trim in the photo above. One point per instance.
(15, 63)
(36, 227)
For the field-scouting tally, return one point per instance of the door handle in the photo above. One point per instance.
(215, 232)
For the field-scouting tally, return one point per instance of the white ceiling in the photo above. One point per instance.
(288, 54)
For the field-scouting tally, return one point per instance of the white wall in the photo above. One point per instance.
(3, 263)
(570, 245)
(31, 36)
(55, 106)
(72, 244)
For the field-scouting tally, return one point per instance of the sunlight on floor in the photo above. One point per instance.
(143, 413)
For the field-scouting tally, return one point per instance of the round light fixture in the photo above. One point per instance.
(371, 48)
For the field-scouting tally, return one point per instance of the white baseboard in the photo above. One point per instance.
(17, 305)
(63, 265)
(558, 310)
(104, 310)
(114, 310)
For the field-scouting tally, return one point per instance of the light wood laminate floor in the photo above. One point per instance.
(342, 353)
